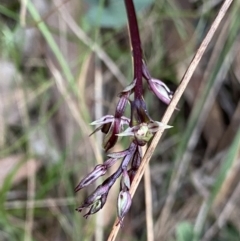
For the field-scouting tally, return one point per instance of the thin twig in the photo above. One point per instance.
(98, 93)
(185, 80)
(148, 203)
(23, 12)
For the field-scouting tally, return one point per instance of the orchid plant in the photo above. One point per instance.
(140, 128)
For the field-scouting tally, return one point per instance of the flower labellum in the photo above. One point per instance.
(97, 205)
(97, 195)
(143, 133)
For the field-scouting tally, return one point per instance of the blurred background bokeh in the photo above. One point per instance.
(62, 65)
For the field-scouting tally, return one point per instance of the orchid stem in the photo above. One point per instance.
(136, 47)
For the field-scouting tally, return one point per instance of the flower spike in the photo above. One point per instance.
(140, 128)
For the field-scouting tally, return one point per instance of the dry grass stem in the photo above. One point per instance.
(23, 12)
(148, 203)
(185, 80)
(98, 93)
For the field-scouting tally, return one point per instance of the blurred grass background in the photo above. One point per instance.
(62, 64)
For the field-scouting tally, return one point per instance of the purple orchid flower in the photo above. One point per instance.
(111, 126)
(157, 86)
(160, 90)
(98, 198)
(97, 172)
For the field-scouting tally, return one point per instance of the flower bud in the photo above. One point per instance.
(97, 172)
(98, 198)
(160, 90)
(124, 204)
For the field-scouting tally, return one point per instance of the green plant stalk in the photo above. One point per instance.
(5, 11)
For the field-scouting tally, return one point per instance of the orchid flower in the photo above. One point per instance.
(111, 126)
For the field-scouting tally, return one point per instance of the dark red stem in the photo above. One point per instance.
(136, 47)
